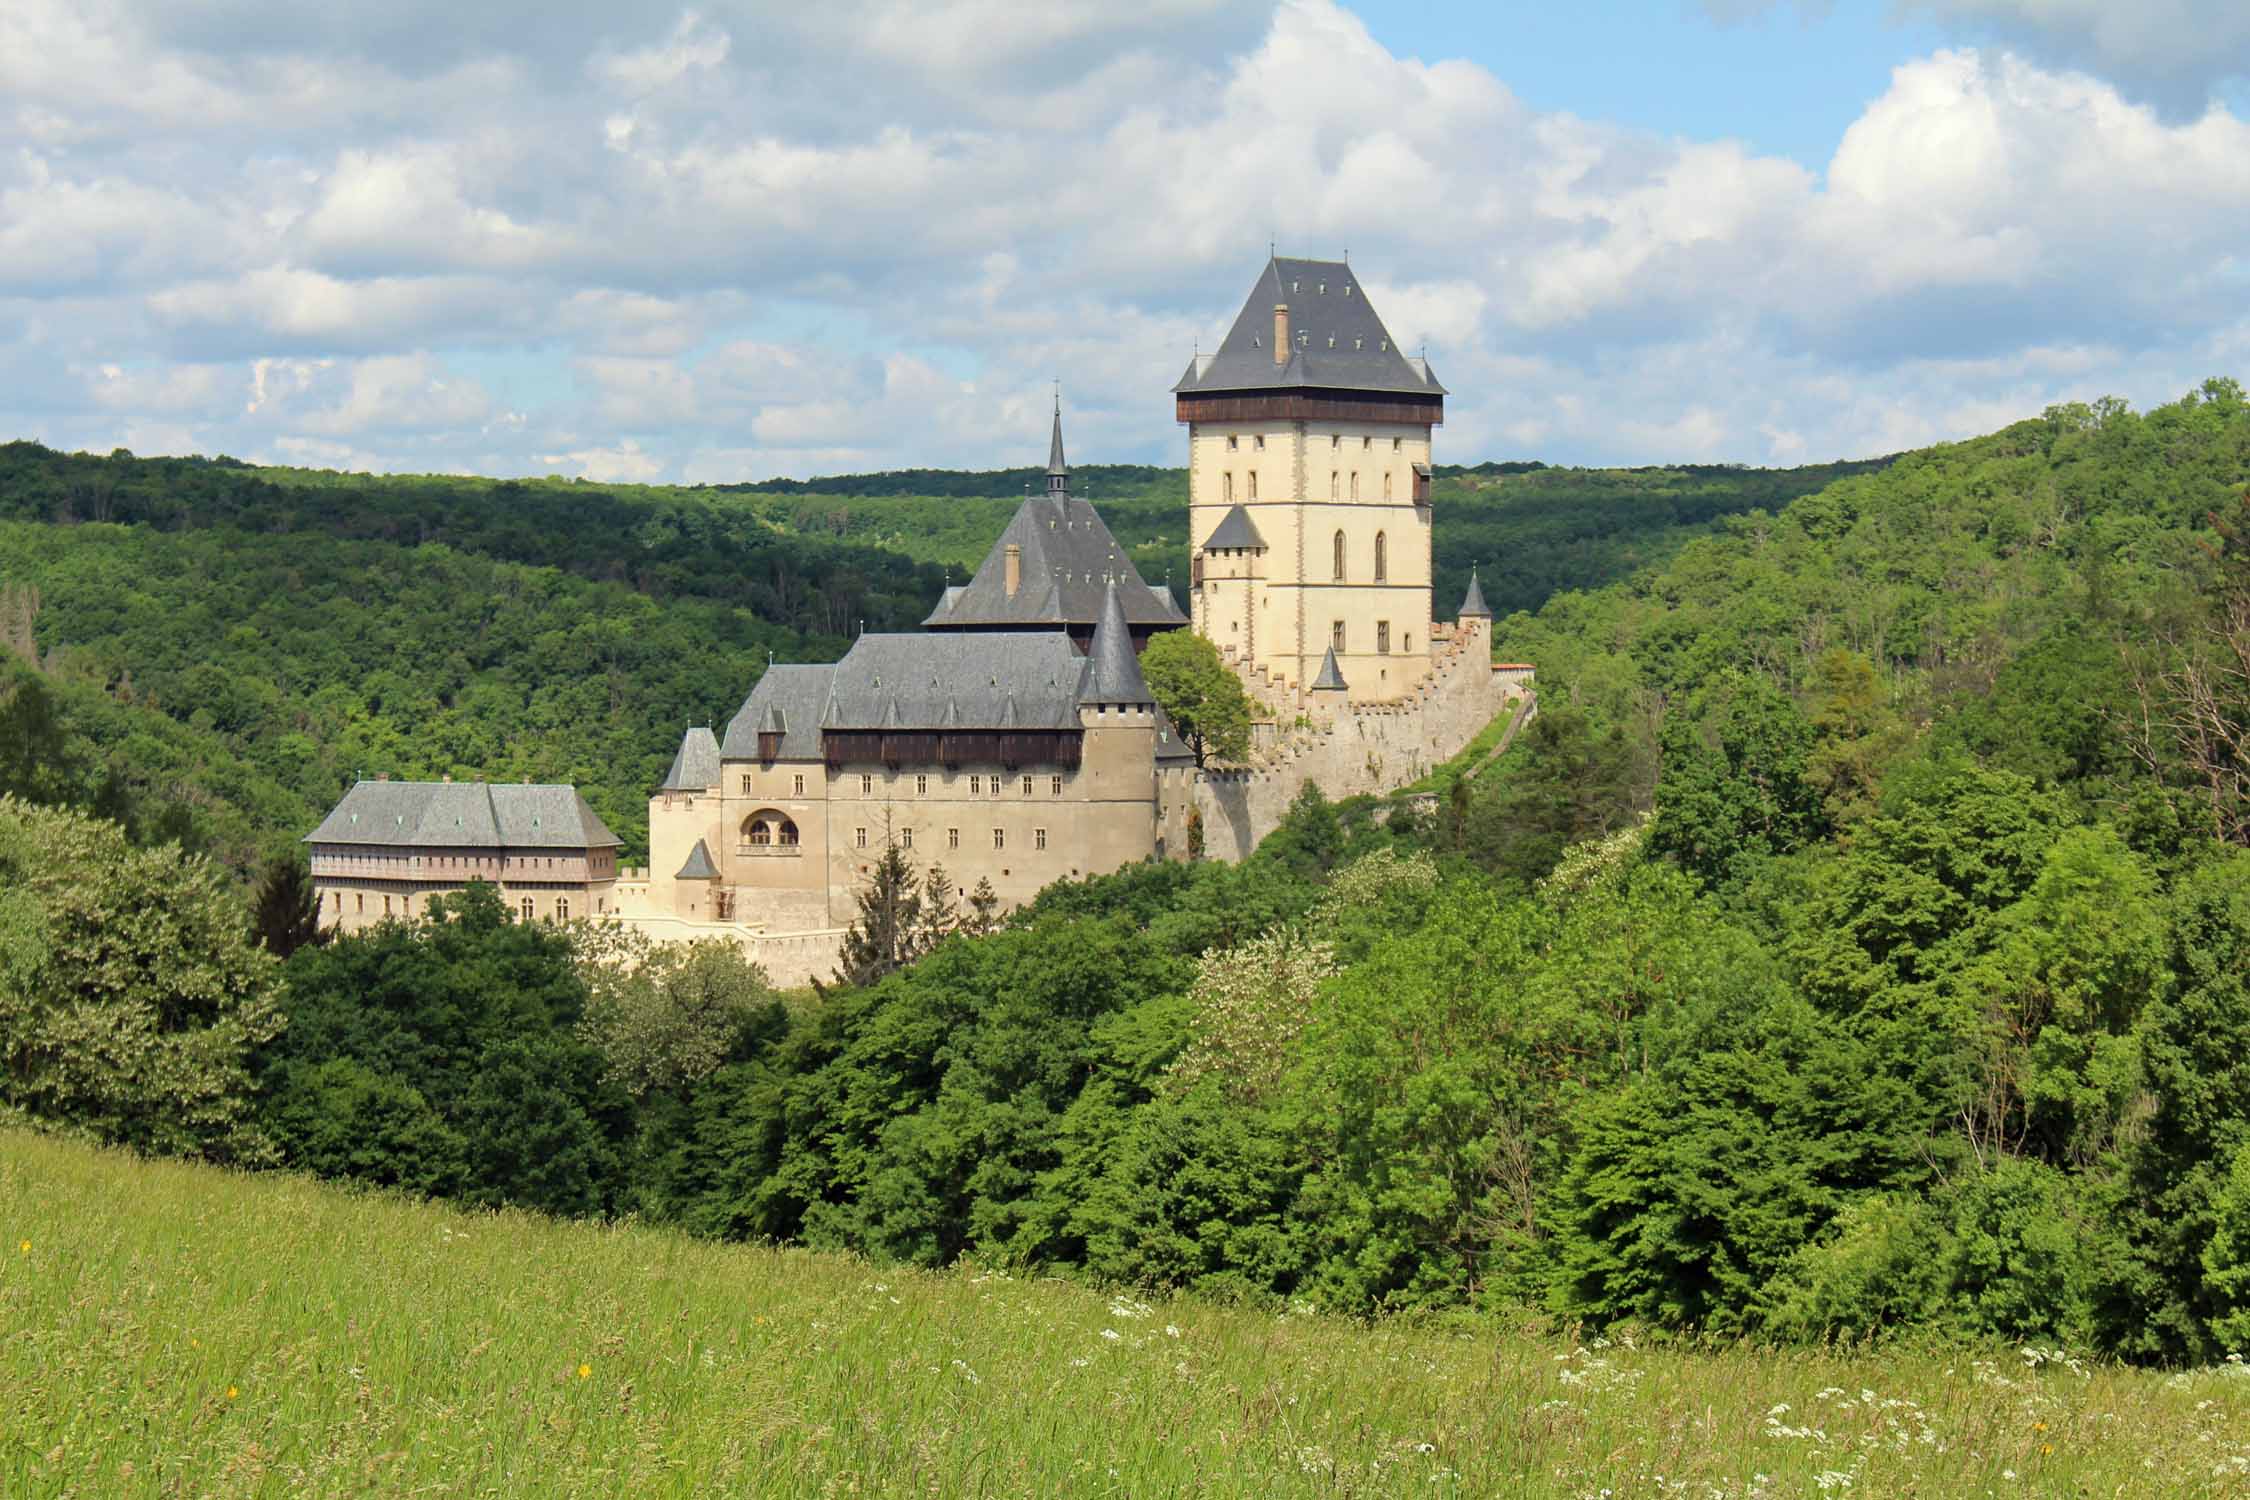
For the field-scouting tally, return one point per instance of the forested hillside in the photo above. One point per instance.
(1857, 942)
(220, 649)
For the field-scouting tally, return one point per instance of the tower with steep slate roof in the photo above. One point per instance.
(1308, 486)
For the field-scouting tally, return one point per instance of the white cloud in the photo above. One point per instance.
(2175, 52)
(754, 239)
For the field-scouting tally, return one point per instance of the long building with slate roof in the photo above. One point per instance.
(1308, 488)
(389, 846)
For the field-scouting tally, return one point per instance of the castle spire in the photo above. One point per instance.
(1058, 472)
(1473, 606)
(1113, 672)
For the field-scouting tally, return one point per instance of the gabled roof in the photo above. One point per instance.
(696, 767)
(1068, 558)
(699, 866)
(464, 815)
(1472, 603)
(1330, 680)
(1236, 531)
(1336, 340)
(797, 692)
(1113, 672)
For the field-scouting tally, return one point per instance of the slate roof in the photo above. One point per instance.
(1344, 345)
(1330, 679)
(1472, 603)
(464, 815)
(1235, 530)
(699, 865)
(1113, 671)
(696, 767)
(799, 693)
(1068, 557)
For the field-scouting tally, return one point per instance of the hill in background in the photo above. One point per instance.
(223, 647)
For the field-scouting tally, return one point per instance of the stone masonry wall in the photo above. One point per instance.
(1359, 749)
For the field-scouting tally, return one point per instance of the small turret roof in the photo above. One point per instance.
(699, 866)
(1473, 606)
(1236, 530)
(1331, 679)
(1113, 671)
(695, 767)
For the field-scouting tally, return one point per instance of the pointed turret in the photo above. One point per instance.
(1331, 678)
(698, 866)
(1058, 472)
(1113, 672)
(696, 767)
(1473, 606)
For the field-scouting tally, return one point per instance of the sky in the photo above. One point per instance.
(740, 239)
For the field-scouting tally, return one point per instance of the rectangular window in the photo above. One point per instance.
(866, 784)
(976, 786)
(1382, 635)
(746, 783)
(953, 838)
(1027, 786)
(921, 786)
(860, 837)
(1336, 635)
(1054, 786)
(906, 838)
(797, 786)
(995, 786)
(999, 838)
(1038, 838)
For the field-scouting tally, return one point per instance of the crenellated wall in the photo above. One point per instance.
(1358, 748)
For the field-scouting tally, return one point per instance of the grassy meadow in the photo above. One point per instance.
(168, 1329)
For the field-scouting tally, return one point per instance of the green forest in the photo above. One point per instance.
(219, 650)
(1856, 945)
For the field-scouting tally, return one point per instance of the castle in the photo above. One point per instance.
(1014, 740)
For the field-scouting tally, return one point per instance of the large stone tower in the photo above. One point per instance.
(1308, 487)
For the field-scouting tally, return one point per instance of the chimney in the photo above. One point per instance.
(1011, 567)
(1281, 333)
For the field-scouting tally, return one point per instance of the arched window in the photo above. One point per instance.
(1386, 484)
(1253, 484)
(1382, 557)
(1338, 560)
(1355, 484)
(761, 832)
(788, 834)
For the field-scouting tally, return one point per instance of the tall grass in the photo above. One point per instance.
(173, 1330)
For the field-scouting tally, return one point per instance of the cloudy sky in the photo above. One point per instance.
(746, 239)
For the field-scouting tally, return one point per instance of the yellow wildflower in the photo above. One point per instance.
(232, 1393)
(24, 1248)
(585, 1372)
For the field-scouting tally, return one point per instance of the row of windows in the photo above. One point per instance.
(977, 780)
(953, 838)
(1335, 442)
(1335, 485)
(405, 905)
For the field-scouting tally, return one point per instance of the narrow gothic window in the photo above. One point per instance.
(1355, 484)
(1332, 483)
(1337, 561)
(1226, 485)
(1386, 484)
(1253, 484)
(1382, 558)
